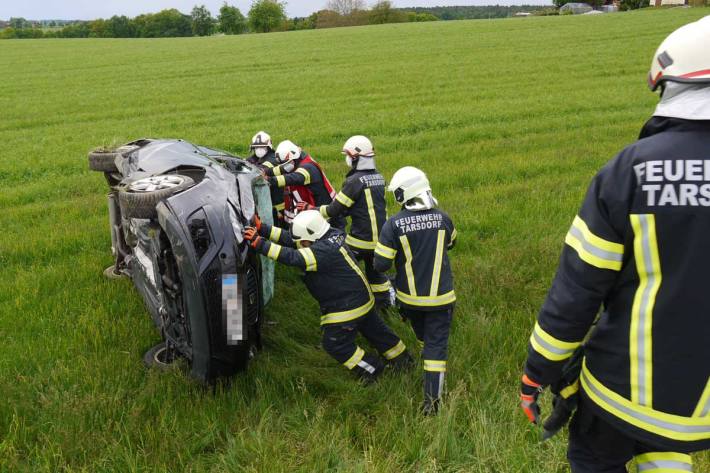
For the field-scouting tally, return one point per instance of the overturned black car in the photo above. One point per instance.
(176, 212)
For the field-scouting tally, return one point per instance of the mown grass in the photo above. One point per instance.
(509, 118)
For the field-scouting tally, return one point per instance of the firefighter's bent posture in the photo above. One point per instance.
(417, 240)
(337, 283)
(639, 248)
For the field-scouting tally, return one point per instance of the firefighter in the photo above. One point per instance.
(264, 156)
(417, 240)
(362, 197)
(638, 249)
(337, 283)
(302, 179)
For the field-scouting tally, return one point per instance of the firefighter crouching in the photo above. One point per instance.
(337, 283)
(362, 197)
(639, 249)
(417, 240)
(302, 179)
(264, 156)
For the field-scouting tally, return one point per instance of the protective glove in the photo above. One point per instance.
(301, 206)
(529, 392)
(252, 237)
(256, 222)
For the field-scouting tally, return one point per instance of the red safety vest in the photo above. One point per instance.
(295, 194)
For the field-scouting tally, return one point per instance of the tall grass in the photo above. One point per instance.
(509, 118)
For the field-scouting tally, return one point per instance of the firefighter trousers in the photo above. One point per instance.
(432, 330)
(379, 282)
(339, 342)
(595, 446)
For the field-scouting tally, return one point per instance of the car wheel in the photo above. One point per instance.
(139, 198)
(103, 161)
(111, 273)
(159, 357)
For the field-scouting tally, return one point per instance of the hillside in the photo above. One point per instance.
(510, 119)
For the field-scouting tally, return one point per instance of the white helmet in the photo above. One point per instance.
(408, 183)
(261, 140)
(359, 146)
(287, 151)
(309, 225)
(683, 56)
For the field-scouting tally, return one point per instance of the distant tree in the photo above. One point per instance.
(633, 4)
(231, 20)
(328, 19)
(266, 15)
(345, 7)
(417, 17)
(19, 23)
(164, 24)
(202, 22)
(120, 27)
(98, 29)
(384, 12)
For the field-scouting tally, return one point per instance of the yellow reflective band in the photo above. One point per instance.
(344, 199)
(309, 258)
(323, 209)
(703, 407)
(267, 164)
(361, 244)
(435, 365)
(384, 287)
(274, 251)
(276, 171)
(306, 176)
(640, 335)
(355, 359)
(436, 274)
(592, 249)
(454, 234)
(385, 251)
(408, 265)
(570, 390)
(280, 206)
(427, 301)
(395, 351)
(275, 233)
(550, 347)
(355, 267)
(347, 315)
(280, 181)
(687, 429)
(664, 462)
(373, 216)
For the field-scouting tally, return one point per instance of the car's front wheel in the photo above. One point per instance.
(139, 198)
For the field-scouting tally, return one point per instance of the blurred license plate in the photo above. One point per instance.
(231, 308)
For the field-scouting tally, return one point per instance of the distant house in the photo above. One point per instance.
(662, 3)
(523, 13)
(4, 24)
(576, 8)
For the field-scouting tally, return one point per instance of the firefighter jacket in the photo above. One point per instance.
(306, 183)
(330, 272)
(362, 197)
(269, 162)
(417, 242)
(640, 249)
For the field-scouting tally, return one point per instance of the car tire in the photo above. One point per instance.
(103, 161)
(139, 198)
(111, 273)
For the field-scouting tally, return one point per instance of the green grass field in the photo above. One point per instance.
(510, 119)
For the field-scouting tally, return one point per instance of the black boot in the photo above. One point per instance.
(369, 369)
(404, 362)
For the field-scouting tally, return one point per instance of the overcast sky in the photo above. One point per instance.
(91, 9)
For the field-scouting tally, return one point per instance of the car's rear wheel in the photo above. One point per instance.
(139, 198)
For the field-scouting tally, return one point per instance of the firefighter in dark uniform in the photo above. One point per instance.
(302, 179)
(334, 279)
(362, 197)
(264, 156)
(417, 240)
(639, 249)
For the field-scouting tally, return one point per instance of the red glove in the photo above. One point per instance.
(301, 206)
(529, 392)
(252, 237)
(256, 222)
